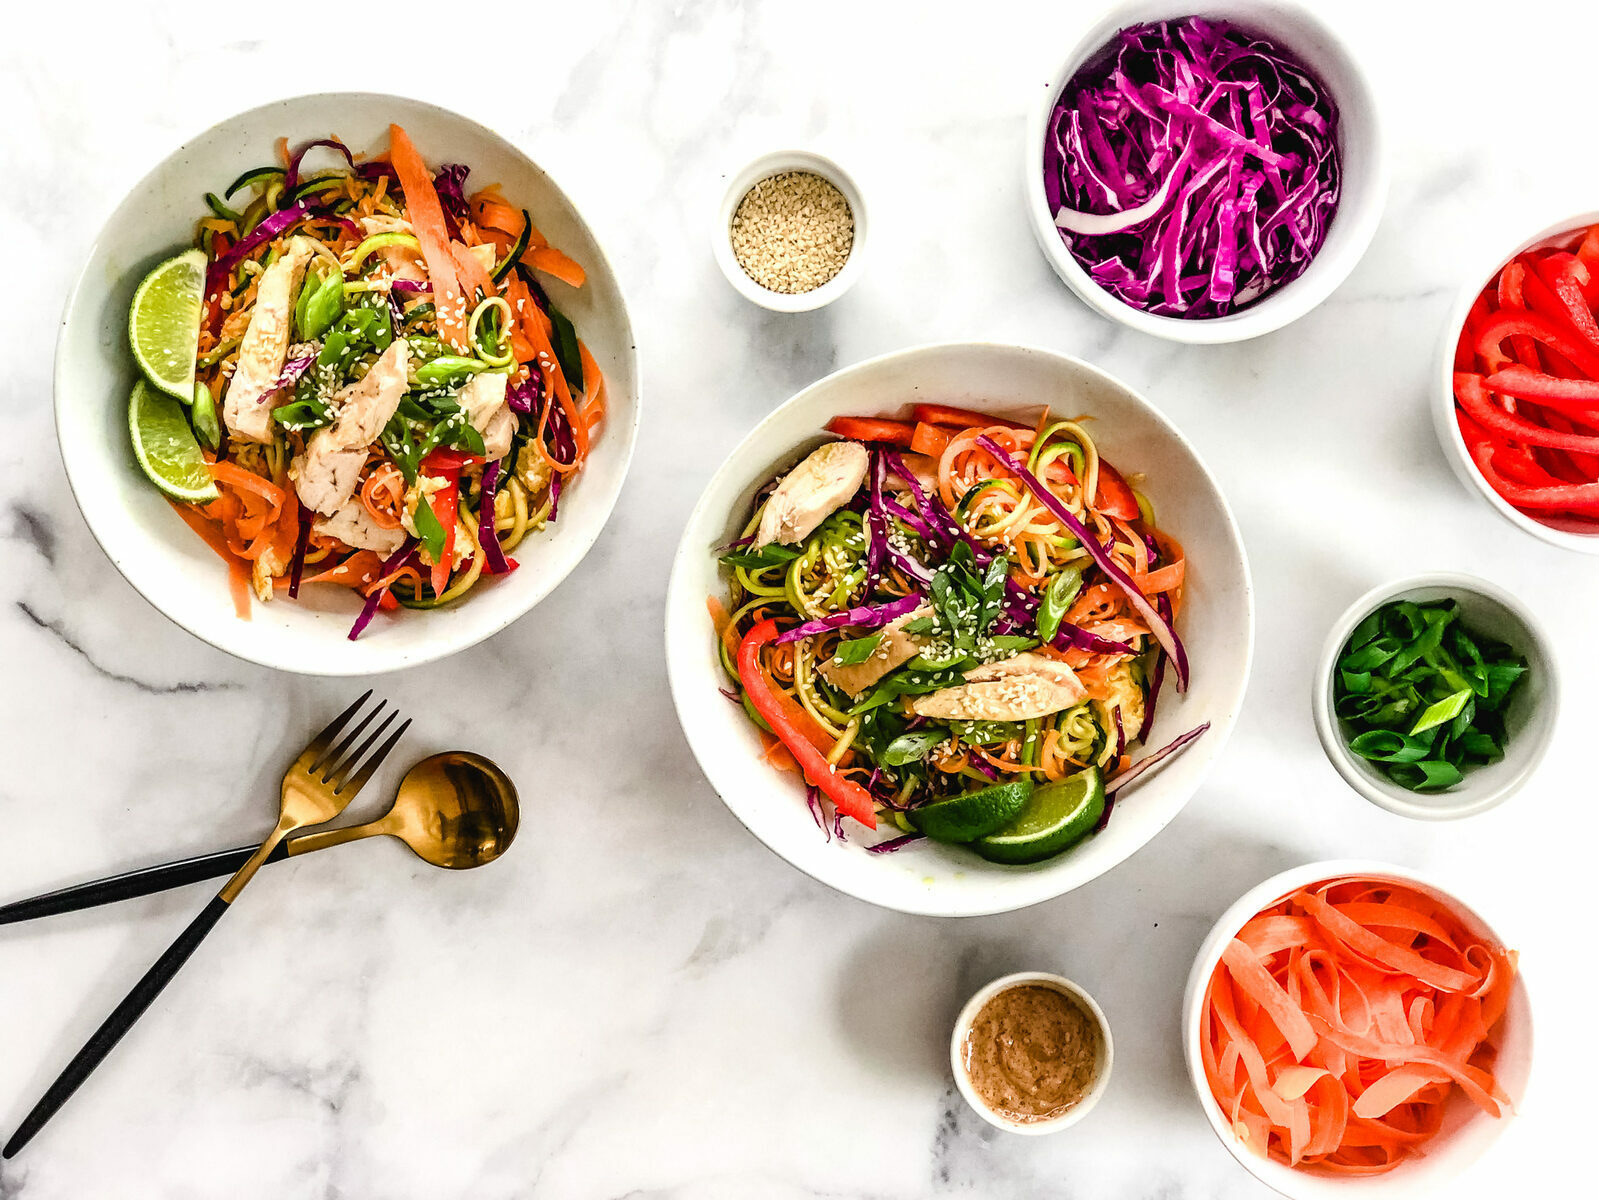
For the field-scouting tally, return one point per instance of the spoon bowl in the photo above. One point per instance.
(456, 810)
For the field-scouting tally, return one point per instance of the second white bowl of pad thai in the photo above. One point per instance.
(960, 628)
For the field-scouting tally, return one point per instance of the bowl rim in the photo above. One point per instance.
(1447, 428)
(968, 1015)
(1391, 796)
(449, 641)
(687, 553)
(1233, 918)
(776, 162)
(1287, 303)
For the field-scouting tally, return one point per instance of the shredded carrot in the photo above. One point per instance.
(552, 262)
(722, 622)
(1340, 1021)
(470, 272)
(427, 219)
(238, 573)
(383, 495)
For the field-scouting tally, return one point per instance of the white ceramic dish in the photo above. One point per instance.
(764, 167)
(1102, 1065)
(1217, 623)
(1529, 720)
(1584, 539)
(94, 373)
(1360, 138)
(1466, 1133)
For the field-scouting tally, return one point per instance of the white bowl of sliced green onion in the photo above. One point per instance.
(1436, 696)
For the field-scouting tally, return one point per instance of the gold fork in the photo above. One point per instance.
(316, 789)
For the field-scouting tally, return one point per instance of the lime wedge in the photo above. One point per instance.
(166, 447)
(164, 323)
(1055, 816)
(968, 817)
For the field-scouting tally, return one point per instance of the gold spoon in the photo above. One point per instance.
(455, 810)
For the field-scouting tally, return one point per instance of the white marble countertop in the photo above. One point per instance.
(641, 1000)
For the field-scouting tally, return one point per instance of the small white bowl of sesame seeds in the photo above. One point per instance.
(790, 231)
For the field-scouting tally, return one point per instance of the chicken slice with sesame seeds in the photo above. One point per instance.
(822, 484)
(353, 525)
(251, 396)
(484, 400)
(894, 649)
(1014, 689)
(325, 475)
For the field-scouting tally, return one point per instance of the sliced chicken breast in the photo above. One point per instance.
(248, 403)
(354, 526)
(894, 650)
(483, 398)
(326, 474)
(822, 484)
(1015, 689)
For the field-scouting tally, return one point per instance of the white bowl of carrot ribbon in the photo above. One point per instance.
(175, 570)
(1381, 974)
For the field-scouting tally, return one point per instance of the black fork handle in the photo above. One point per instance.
(144, 882)
(116, 1025)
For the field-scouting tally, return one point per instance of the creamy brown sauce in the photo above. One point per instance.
(1032, 1053)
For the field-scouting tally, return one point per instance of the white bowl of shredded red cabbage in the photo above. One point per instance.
(1206, 178)
(1353, 1026)
(306, 596)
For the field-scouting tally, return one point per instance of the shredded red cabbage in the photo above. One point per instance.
(494, 560)
(394, 562)
(271, 226)
(893, 844)
(290, 375)
(1148, 762)
(1158, 625)
(302, 542)
(449, 184)
(862, 617)
(291, 178)
(1193, 167)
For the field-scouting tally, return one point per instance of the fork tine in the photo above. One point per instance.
(356, 782)
(313, 753)
(329, 762)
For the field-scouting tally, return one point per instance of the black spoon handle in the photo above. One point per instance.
(118, 1023)
(143, 882)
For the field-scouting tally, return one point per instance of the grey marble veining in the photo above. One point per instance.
(641, 1001)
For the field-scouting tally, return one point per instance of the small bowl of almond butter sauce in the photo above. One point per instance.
(1031, 1053)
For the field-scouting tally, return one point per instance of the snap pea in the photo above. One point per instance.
(320, 306)
(1058, 596)
(447, 368)
(203, 416)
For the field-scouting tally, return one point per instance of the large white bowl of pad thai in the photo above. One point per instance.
(959, 629)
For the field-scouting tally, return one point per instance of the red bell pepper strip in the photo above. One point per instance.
(1578, 395)
(1466, 347)
(1580, 498)
(1588, 256)
(445, 503)
(960, 418)
(1535, 325)
(1472, 395)
(443, 459)
(1565, 277)
(872, 429)
(849, 797)
(1114, 496)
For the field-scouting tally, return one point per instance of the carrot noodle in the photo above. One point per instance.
(383, 495)
(1341, 1020)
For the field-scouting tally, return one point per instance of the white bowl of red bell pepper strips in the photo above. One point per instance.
(1517, 403)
